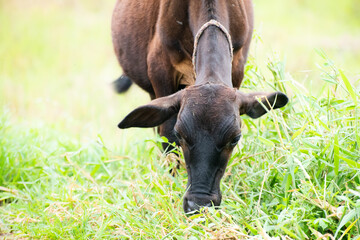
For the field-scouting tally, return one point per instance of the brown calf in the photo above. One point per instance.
(189, 55)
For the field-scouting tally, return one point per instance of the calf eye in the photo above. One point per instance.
(235, 140)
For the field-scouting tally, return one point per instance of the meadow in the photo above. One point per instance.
(68, 172)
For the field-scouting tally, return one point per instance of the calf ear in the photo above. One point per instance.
(154, 113)
(257, 104)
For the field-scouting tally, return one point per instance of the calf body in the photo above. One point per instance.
(195, 100)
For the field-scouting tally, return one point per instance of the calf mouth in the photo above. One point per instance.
(193, 203)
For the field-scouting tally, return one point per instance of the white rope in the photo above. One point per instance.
(212, 22)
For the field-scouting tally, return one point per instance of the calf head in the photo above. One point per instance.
(208, 127)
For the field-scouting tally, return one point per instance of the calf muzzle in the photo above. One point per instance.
(194, 202)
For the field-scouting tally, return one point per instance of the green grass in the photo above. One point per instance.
(66, 172)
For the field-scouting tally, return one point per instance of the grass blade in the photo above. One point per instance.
(336, 154)
(350, 162)
(348, 86)
(298, 132)
(345, 220)
(348, 228)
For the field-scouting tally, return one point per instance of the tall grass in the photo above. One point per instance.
(295, 174)
(67, 173)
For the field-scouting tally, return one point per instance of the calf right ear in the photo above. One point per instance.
(257, 104)
(154, 113)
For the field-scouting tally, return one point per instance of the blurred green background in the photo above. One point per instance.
(57, 61)
(68, 172)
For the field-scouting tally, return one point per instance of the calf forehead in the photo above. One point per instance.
(209, 106)
(209, 95)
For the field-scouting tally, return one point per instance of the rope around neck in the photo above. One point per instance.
(217, 24)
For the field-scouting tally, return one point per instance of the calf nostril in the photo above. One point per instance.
(192, 206)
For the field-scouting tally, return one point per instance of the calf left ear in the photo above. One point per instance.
(257, 104)
(154, 113)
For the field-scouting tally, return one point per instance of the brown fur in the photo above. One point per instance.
(154, 43)
(158, 35)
